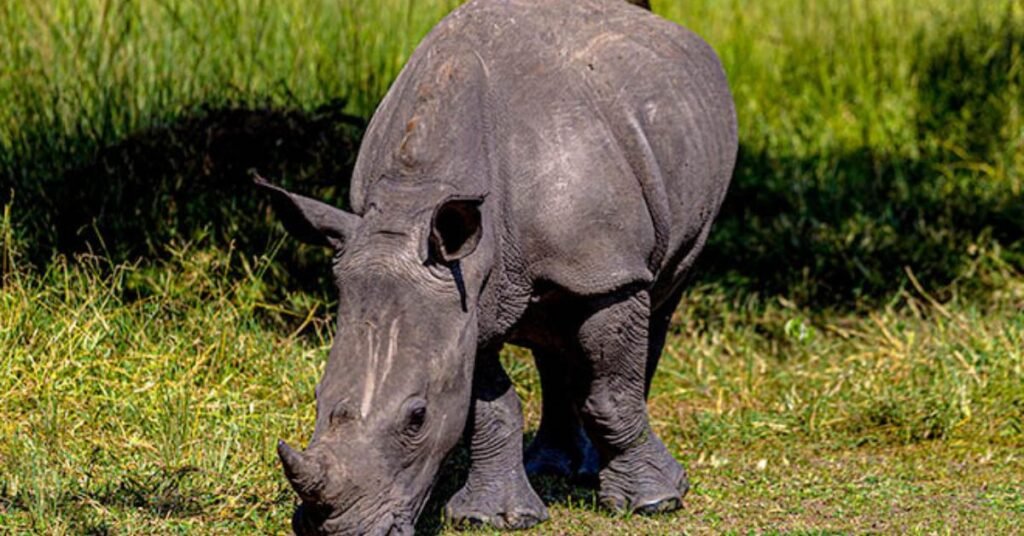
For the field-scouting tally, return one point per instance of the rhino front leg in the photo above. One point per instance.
(561, 446)
(637, 472)
(497, 492)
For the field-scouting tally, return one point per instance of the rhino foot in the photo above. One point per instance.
(507, 506)
(644, 479)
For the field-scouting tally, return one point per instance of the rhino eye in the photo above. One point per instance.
(416, 416)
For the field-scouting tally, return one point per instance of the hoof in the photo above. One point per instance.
(662, 506)
(498, 520)
(646, 506)
(644, 479)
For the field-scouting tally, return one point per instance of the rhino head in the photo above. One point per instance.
(396, 389)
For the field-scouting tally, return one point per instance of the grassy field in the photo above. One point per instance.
(849, 359)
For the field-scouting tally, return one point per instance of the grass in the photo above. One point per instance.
(848, 359)
(148, 398)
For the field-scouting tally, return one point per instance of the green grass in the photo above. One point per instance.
(849, 359)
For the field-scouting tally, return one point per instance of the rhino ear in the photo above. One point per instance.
(455, 228)
(309, 220)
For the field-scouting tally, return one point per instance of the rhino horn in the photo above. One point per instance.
(306, 475)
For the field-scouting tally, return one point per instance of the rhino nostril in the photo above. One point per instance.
(341, 412)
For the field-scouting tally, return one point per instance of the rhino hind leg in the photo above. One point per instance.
(497, 492)
(637, 472)
(561, 446)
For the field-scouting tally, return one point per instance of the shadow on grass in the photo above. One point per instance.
(192, 178)
(840, 229)
(828, 230)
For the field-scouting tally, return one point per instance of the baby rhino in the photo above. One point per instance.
(542, 173)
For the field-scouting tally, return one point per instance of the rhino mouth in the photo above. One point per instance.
(316, 520)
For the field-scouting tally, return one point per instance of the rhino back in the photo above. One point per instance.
(604, 136)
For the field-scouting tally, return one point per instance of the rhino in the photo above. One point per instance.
(542, 173)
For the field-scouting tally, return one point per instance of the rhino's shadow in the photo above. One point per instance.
(837, 228)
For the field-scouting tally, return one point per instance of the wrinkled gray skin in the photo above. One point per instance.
(542, 173)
